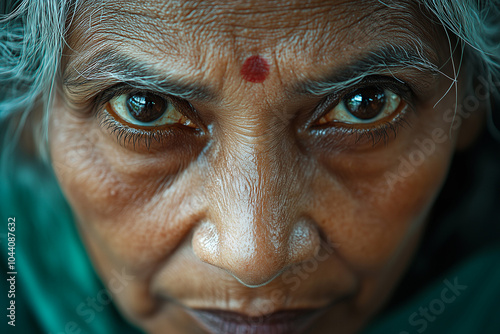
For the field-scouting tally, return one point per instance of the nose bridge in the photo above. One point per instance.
(254, 213)
(253, 219)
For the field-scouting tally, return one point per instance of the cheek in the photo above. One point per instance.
(123, 203)
(373, 205)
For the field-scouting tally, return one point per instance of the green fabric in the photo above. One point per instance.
(55, 276)
(475, 308)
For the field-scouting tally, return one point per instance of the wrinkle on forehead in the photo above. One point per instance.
(162, 26)
(203, 39)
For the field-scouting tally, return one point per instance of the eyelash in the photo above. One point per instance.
(383, 132)
(127, 135)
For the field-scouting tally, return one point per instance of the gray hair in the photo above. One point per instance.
(32, 39)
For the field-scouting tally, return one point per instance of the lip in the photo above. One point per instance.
(281, 322)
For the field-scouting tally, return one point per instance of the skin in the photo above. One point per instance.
(228, 218)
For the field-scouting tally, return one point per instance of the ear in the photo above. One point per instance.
(470, 129)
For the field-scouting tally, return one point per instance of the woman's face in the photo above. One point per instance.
(220, 157)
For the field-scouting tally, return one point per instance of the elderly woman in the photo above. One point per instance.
(250, 167)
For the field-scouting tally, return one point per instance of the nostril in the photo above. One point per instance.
(253, 283)
(246, 257)
(257, 257)
(256, 271)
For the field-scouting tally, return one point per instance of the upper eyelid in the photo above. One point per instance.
(124, 88)
(181, 105)
(395, 85)
(398, 86)
(333, 99)
(120, 89)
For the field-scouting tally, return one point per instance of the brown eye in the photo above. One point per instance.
(147, 110)
(364, 106)
(365, 103)
(146, 107)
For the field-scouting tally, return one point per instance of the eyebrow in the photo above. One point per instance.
(112, 66)
(381, 61)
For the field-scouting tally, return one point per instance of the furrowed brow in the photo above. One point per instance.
(384, 61)
(90, 76)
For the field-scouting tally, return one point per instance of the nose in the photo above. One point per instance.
(255, 226)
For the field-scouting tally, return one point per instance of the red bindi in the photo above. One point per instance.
(255, 69)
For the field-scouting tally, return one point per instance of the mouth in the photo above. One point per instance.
(281, 322)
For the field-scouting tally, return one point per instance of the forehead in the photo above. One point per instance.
(204, 41)
(240, 27)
